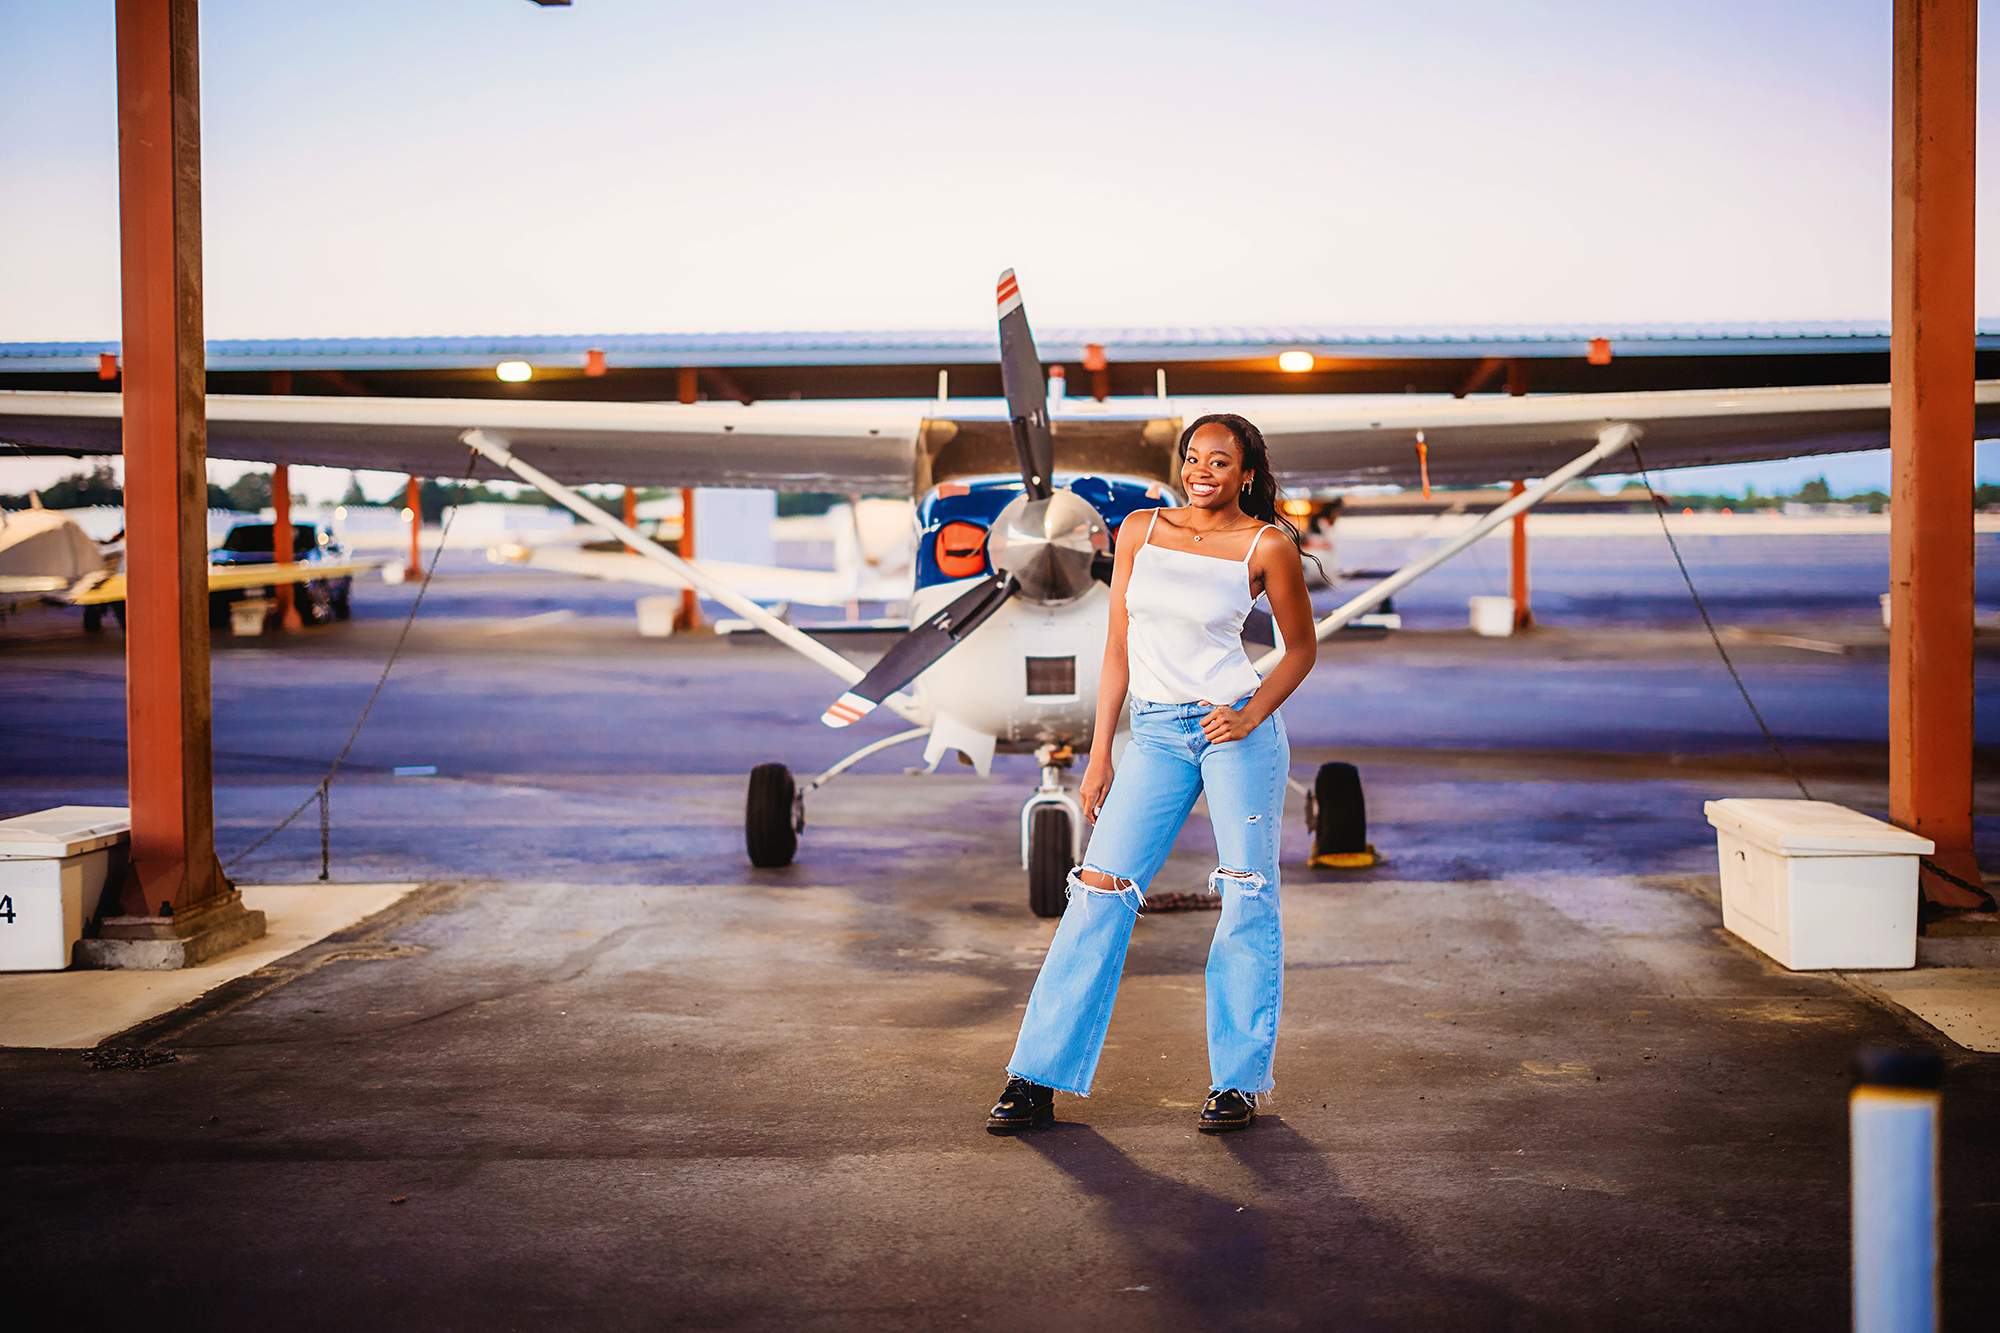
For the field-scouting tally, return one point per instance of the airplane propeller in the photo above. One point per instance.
(1048, 544)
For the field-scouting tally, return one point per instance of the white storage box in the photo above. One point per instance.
(1816, 885)
(53, 869)
(1493, 617)
(656, 616)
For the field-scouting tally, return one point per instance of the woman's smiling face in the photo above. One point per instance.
(1212, 474)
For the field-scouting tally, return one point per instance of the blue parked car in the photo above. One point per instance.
(249, 543)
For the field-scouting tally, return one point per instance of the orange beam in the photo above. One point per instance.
(281, 543)
(168, 717)
(631, 513)
(413, 500)
(1517, 583)
(690, 612)
(1930, 436)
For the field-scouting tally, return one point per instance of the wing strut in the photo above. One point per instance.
(805, 645)
(1609, 441)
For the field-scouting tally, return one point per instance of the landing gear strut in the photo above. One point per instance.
(1051, 834)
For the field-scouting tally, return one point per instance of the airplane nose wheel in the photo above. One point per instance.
(772, 817)
(1051, 835)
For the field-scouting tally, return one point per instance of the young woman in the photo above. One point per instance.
(1202, 722)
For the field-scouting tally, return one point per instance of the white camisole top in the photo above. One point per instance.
(1184, 625)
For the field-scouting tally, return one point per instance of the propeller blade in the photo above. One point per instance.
(1027, 393)
(922, 646)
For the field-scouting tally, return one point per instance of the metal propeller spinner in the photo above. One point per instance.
(1049, 546)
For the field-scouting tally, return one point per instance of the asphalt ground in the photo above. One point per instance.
(617, 1078)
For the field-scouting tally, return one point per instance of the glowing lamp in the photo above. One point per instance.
(1295, 362)
(1298, 508)
(514, 372)
(340, 512)
(408, 513)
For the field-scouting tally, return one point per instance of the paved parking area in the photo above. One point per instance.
(602, 1074)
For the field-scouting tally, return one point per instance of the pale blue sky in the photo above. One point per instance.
(490, 166)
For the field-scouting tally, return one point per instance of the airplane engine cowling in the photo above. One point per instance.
(1047, 545)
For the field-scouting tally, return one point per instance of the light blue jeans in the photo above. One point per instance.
(1167, 763)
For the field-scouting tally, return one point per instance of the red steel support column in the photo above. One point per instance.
(281, 544)
(1517, 583)
(168, 717)
(1930, 436)
(690, 612)
(631, 512)
(413, 500)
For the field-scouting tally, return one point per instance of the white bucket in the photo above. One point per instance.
(1493, 617)
(656, 616)
(247, 616)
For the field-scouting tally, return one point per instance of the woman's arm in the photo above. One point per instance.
(1275, 561)
(1115, 679)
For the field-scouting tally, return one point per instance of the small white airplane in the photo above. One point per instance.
(47, 559)
(1015, 513)
(873, 549)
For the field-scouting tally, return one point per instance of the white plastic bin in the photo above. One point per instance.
(1493, 616)
(1816, 885)
(53, 869)
(656, 616)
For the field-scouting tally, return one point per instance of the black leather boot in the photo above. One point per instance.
(1227, 1110)
(1022, 1106)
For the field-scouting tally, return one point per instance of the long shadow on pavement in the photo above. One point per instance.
(1310, 1257)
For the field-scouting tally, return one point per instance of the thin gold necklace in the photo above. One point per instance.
(1199, 535)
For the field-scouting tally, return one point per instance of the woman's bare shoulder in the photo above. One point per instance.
(1271, 544)
(1140, 519)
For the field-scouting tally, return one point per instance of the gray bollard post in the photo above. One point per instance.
(1892, 1118)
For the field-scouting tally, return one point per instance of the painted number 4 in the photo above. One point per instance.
(7, 909)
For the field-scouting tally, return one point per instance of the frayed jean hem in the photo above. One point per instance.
(1074, 1092)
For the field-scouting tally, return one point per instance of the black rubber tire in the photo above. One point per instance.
(93, 619)
(218, 610)
(343, 600)
(1049, 860)
(1343, 810)
(769, 833)
(314, 600)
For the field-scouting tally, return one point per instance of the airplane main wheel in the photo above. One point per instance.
(770, 831)
(1342, 826)
(1049, 860)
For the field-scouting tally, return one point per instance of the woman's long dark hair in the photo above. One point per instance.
(1260, 498)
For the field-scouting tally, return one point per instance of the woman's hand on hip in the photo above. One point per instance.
(1224, 724)
(1095, 787)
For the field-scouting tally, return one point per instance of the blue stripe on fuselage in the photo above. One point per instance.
(1114, 498)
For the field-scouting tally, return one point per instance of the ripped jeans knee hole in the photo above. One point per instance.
(1123, 889)
(1249, 882)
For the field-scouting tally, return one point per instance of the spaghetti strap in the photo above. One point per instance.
(1149, 527)
(1253, 543)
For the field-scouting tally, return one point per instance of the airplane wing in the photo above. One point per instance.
(1329, 440)
(1472, 441)
(111, 588)
(783, 446)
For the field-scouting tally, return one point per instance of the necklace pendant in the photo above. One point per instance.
(1197, 536)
